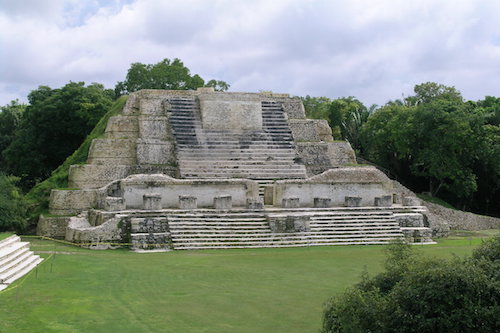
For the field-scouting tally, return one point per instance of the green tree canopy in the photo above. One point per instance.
(13, 207)
(167, 74)
(441, 144)
(416, 294)
(52, 127)
(10, 117)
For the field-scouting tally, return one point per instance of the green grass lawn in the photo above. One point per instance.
(4, 235)
(255, 290)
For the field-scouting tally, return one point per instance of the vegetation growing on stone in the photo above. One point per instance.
(38, 196)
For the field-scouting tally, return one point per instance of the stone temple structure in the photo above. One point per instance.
(204, 169)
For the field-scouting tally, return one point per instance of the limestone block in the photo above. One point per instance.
(321, 156)
(255, 204)
(417, 235)
(152, 241)
(122, 126)
(103, 236)
(204, 190)
(96, 175)
(232, 115)
(132, 105)
(383, 201)
(411, 201)
(152, 106)
(68, 202)
(152, 201)
(153, 151)
(187, 202)
(149, 225)
(289, 223)
(114, 203)
(54, 226)
(223, 202)
(322, 202)
(290, 203)
(112, 151)
(409, 219)
(310, 130)
(154, 127)
(294, 109)
(353, 201)
(268, 194)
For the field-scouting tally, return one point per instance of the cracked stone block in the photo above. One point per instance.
(322, 202)
(353, 201)
(223, 202)
(152, 201)
(187, 202)
(290, 203)
(114, 203)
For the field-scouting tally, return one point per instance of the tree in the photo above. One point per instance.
(440, 144)
(416, 294)
(52, 127)
(10, 116)
(13, 207)
(431, 91)
(167, 74)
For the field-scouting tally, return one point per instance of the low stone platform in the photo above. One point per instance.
(16, 260)
(176, 229)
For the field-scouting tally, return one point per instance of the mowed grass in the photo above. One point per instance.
(251, 290)
(4, 235)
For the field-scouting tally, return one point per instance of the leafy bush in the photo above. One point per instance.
(416, 294)
(13, 207)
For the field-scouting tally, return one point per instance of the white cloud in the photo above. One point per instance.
(372, 50)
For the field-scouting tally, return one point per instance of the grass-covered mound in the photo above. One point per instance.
(38, 196)
(248, 290)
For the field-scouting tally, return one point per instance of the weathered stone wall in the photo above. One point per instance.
(335, 184)
(99, 237)
(134, 187)
(310, 130)
(224, 112)
(460, 220)
(319, 157)
(68, 202)
(53, 226)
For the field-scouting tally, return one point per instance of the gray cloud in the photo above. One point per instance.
(372, 50)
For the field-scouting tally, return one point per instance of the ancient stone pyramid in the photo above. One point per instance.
(201, 169)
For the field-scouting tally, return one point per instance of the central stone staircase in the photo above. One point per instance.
(261, 155)
(16, 260)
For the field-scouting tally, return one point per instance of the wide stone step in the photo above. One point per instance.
(243, 167)
(334, 218)
(6, 260)
(254, 176)
(9, 240)
(20, 269)
(218, 230)
(231, 163)
(15, 261)
(290, 243)
(11, 250)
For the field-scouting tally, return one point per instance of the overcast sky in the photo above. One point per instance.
(373, 50)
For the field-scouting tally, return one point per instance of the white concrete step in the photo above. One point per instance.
(6, 260)
(25, 270)
(11, 250)
(15, 260)
(9, 240)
